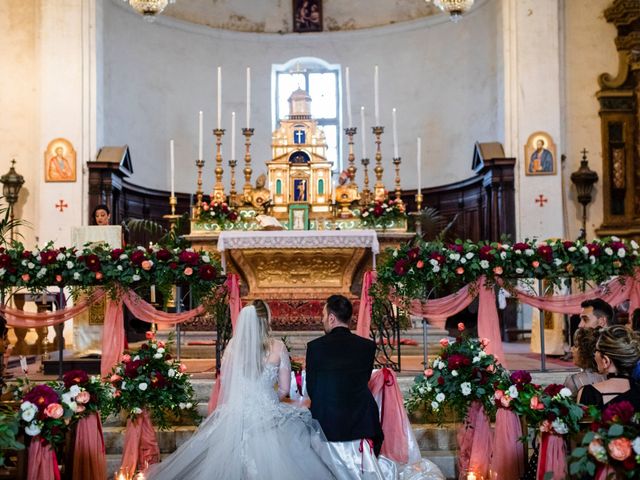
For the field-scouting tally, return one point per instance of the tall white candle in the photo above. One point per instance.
(395, 134)
(233, 135)
(376, 95)
(219, 97)
(348, 88)
(419, 163)
(173, 168)
(248, 97)
(200, 134)
(364, 143)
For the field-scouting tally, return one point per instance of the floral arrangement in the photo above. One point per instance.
(462, 373)
(151, 379)
(217, 212)
(133, 267)
(382, 213)
(613, 441)
(412, 270)
(9, 428)
(84, 394)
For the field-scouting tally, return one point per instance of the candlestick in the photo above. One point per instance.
(419, 164)
(350, 132)
(379, 192)
(171, 148)
(364, 143)
(396, 162)
(364, 199)
(376, 92)
(199, 192)
(219, 98)
(233, 197)
(348, 88)
(200, 135)
(248, 97)
(233, 135)
(246, 190)
(395, 134)
(218, 189)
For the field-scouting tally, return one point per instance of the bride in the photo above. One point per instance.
(252, 434)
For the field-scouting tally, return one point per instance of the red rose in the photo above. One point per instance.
(207, 272)
(546, 252)
(93, 262)
(190, 258)
(553, 389)
(131, 368)
(456, 248)
(75, 377)
(619, 412)
(26, 254)
(115, 253)
(413, 253)
(485, 253)
(440, 380)
(520, 247)
(158, 381)
(594, 249)
(5, 260)
(458, 360)
(567, 244)
(400, 268)
(163, 254)
(137, 257)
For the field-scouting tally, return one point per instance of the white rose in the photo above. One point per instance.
(2, 272)
(206, 259)
(26, 405)
(482, 354)
(608, 251)
(484, 264)
(475, 360)
(465, 388)
(74, 390)
(440, 397)
(433, 262)
(123, 256)
(436, 268)
(60, 257)
(189, 405)
(137, 357)
(565, 392)
(123, 385)
(463, 261)
(454, 256)
(33, 429)
(622, 252)
(69, 265)
(141, 248)
(395, 252)
(30, 265)
(513, 391)
(24, 263)
(29, 413)
(119, 268)
(469, 255)
(634, 244)
(528, 252)
(592, 259)
(161, 350)
(584, 250)
(143, 386)
(519, 270)
(136, 410)
(441, 365)
(157, 356)
(560, 427)
(366, 214)
(76, 276)
(67, 398)
(636, 445)
(503, 255)
(135, 278)
(572, 249)
(454, 373)
(557, 261)
(171, 373)
(615, 239)
(435, 406)
(73, 406)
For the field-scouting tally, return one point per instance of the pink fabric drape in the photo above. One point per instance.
(489, 323)
(215, 395)
(147, 312)
(235, 304)
(553, 457)
(438, 309)
(43, 464)
(475, 443)
(89, 460)
(140, 444)
(364, 312)
(22, 319)
(113, 337)
(508, 453)
(605, 472)
(384, 384)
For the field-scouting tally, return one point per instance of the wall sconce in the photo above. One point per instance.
(11, 184)
(584, 178)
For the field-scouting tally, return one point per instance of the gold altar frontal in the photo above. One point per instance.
(295, 271)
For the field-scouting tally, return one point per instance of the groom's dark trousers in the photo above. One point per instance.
(339, 366)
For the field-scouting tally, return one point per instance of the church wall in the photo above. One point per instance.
(158, 76)
(589, 51)
(19, 93)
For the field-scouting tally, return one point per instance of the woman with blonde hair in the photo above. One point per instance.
(582, 350)
(252, 434)
(617, 352)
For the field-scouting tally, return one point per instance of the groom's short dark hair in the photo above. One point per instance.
(341, 307)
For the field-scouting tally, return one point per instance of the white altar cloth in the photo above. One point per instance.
(230, 239)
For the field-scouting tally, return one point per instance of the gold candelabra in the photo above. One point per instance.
(172, 217)
(350, 132)
(366, 193)
(396, 162)
(378, 189)
(233, 200)
(418, 202)
(199, 192)
(218, 189)
(246, 190)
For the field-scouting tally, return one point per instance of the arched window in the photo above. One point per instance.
(321, 187)
(321, 81)
(278, 187)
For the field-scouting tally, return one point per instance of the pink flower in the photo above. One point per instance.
(619, 448)
(461, 327)
(536, 404)
(498, 395)
(160, 344)
(54, 410)
(26, 277)
(545, 426)
(497, 270)
(459, 270)
(115, 378)
(419, 264)
(80, 408)
(58, 278)
(116, 393)
(491, 368)
(83, 397)
(505, 401)
(484, 342)
(428, 372)
(146, 265)
(182, 368)
(535, 264)
(99, 275)
(188, 271)
(126, 358)
(149, 335)
(444, 342)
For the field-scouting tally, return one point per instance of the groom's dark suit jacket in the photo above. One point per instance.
(338, 368)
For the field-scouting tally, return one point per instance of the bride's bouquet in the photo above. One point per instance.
(151, 379)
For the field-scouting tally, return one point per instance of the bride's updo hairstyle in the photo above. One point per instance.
(264, 318)
(622, 346)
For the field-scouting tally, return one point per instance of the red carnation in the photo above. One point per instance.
(93, 262)
(5, 260)
(207, 272)
(457, 360)
(26, 254)
(158, 381)
(378, 211)
(456, 248)
(567, 244)
(48, 257)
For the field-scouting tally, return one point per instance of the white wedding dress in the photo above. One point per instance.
(251, 434)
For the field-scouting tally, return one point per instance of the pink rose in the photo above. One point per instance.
(459, 270)
(149, 335)
(484, 342)
(182, 368)
(428, 372)
(444, 342)
(126, 358)
(83, 397)
(420, 264)
(536, 404)
(461, 327)
(505, 401)
(188, 271)
(80, 408)
(99, 275)
(546, 426)
(54, 410)
(491, 368)
(160, 344)
(497, 270)
(535, 264)
(146, 265)
(116, 393)
(499, 394)
(26, 277)
(58, 278)
(619, 448)
(115, 378)
(205, 206)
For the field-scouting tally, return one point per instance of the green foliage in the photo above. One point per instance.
(7, 224)
(9, 428)
(382, 213)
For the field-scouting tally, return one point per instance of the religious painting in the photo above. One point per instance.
(298, 217)
(299, 189)
(540, 155)
(307, 16)
(60, 161)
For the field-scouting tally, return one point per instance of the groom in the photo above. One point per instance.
(338, 368)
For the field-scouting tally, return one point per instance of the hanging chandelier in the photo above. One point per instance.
(455, 8)
(149, 8)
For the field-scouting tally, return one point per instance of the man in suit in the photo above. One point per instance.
(338, 368)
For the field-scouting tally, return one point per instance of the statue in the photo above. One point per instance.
(260, 197)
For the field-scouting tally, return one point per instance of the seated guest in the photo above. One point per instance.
(635, 320)
(616, 354)
(596, 313)
(584, 344)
